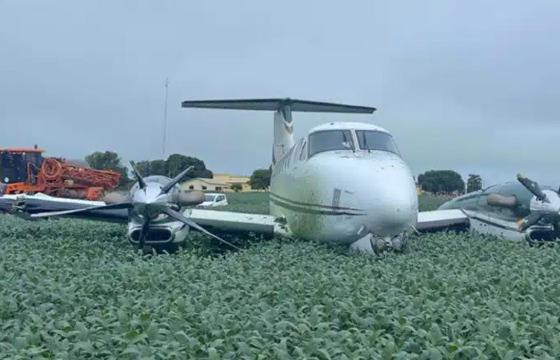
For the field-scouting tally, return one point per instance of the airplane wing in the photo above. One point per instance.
(429, 221)
(25, 205)
(235, 222)
(218, 221)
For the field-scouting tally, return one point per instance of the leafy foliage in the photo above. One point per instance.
(260, 179)
(441, 181)
(428, 201)
(73, 289)
(474, 183)
(174, 164)
(108, 160)
(251, 202)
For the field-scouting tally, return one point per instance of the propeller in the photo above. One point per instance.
(141, 182)
(185, 220)
(544, 205)
(165, 189)
(149, 205)
(143, 233)
(533, 187)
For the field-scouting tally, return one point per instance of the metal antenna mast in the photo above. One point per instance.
(164, 140)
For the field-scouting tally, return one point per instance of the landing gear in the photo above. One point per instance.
(380, 245)
(396, 243)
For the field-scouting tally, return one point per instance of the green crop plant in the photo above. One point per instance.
(74, 289)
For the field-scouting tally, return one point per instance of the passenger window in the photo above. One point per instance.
(330, 140)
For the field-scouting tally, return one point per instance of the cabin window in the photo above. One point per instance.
(330, 140)
(376, 140)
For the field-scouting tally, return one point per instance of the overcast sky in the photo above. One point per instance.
(471, 86)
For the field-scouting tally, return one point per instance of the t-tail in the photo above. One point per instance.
(283, 108)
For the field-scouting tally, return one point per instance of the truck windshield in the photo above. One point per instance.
(209, 197)
(330, 140)
(376, 140)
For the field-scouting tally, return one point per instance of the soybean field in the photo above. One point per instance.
(75, 289)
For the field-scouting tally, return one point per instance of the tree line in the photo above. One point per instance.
(171, 167)
(448, 181)
(434, 181)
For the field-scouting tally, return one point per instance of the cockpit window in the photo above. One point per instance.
(330, 140)
(376, 140)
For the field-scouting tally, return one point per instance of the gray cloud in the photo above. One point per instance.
(469, 86)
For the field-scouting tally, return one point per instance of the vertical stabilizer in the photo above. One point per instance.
(283, 132)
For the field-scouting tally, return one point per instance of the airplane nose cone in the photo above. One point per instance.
(392, 202)
(392, 214)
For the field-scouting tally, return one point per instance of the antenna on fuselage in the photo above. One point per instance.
(283, 108)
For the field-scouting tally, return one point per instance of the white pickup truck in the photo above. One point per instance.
(214, 199)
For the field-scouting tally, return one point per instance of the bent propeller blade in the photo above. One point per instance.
(175, 180)
(143, 233)
(136, 173)
(180, 217)
(533, 187)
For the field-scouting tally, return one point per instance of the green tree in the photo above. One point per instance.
(441, 181)
(173, 166)
(236, 187)
(177, 163)
(474, 183)
(108, 160)
(260, 179)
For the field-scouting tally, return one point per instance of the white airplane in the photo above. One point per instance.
(343, 183)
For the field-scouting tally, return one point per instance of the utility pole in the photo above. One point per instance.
(164, 140)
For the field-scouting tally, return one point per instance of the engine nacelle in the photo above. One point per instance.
(160, 236)
(187, 199)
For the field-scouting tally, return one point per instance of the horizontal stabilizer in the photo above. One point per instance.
(277, 104)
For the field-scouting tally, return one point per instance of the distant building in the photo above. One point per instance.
(220, 182)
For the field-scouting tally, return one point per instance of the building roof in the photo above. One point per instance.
(207, 181)
(229, 178)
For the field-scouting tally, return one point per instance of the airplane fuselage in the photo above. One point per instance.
(343, 195)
